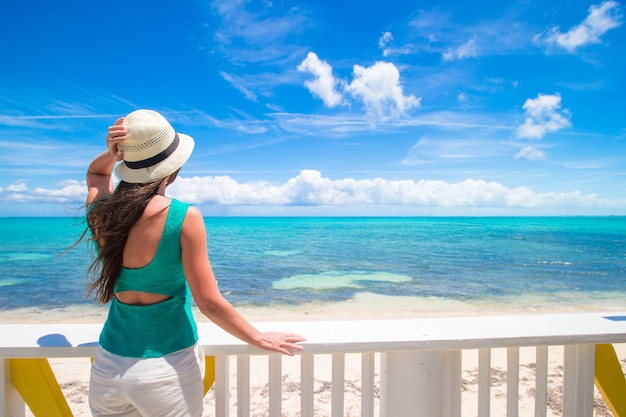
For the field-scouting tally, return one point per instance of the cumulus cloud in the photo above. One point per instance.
(324, 85)
(531, 154)
(310, 188)
(543, 115)
(601, 19)
(379, 88)
(466, 50)
(67, 192)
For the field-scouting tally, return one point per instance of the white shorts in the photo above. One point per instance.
(171, 386)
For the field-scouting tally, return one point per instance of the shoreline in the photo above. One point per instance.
(364, 306)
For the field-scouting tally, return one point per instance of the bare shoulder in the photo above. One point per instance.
(194, 214)
(194, 222)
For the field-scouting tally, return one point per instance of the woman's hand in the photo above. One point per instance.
(116, 134)
(280, 342)
(99, 178)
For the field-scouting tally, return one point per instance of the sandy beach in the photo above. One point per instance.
(73, 374)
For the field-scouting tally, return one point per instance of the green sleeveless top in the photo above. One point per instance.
(155, 330)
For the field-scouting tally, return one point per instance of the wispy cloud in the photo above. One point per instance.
(600, 19)
(428, 150)
(384, 40)
(530, 153)
(431, 24)
(240, 84)
(385, 44)
(341, 125)
(437, 31)
(26, 120)
(258, 36)
(466, 50)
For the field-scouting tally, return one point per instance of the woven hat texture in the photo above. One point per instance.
(152, 149)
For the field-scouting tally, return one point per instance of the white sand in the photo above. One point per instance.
(73, 374)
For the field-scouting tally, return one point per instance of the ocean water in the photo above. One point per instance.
(270, 261)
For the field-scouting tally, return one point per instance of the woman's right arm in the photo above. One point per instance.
(99, 174)
(209, 298)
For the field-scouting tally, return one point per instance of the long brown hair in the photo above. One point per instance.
(110, 220)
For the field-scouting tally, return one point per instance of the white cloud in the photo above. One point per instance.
(466, 50)
(543, 115)
(68, 192)
(384, 40)
(310, 188)
(19, 187)
(531, 154)
(240, 84)
(324, 85)
(441, 149)
(258, 35)
(601, 19)
(341, 125)
(379, 88)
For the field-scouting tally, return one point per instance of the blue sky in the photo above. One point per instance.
(325, 108)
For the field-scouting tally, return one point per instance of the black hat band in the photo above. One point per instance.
(156, 158)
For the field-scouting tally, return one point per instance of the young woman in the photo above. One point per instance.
(151, 258)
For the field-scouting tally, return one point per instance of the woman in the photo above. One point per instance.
(151, 256)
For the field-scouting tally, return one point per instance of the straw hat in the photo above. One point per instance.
(152, 149)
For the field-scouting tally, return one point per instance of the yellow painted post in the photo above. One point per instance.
(209, 376)
(35, 382)
(610, 380)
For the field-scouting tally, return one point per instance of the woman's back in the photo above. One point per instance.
(141, 247)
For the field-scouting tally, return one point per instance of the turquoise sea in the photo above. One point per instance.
(272, 261)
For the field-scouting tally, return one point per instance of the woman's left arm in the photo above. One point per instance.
(99, 173)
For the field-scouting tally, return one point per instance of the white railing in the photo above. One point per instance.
(416, 367)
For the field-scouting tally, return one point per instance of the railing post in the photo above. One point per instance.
(307, 370)
(412, 383)
(541, 381)
(275, 385)
(452, 389)
(222, 386)
(484, 382)
(338, 384)
(11, 403)
(243, 385)
(367, 384)
(578, 371)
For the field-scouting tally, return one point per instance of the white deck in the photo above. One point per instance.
(80, 339)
